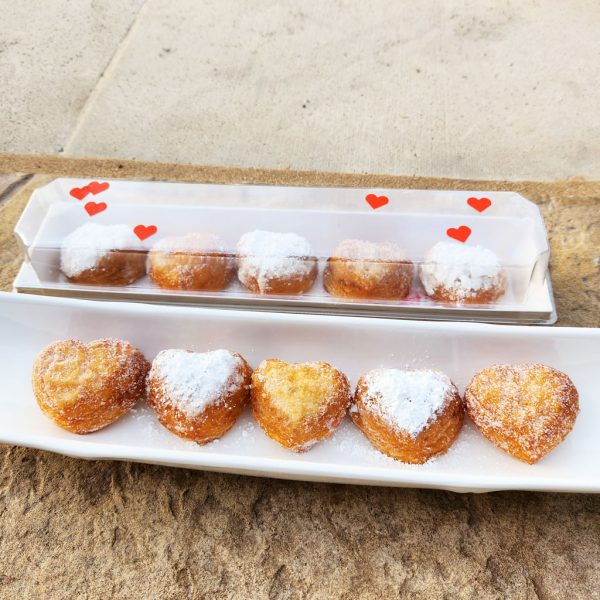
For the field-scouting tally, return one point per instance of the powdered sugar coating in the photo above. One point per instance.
(265, 256)
(365, 250)
(83, 248)
(197, 242)
(461, 269)
(193, 380)
(406, 399)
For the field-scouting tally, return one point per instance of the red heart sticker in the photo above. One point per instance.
(460, 234)
(144, 232)
(93, 208)
(80, 193)
(97, 188)
(479, 204)
(376, 201)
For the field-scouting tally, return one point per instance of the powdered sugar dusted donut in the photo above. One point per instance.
(85, 387)
(197, 261)
(103, 255)
(299, 404)
(276, 263)
(361, 269)
(524, 409)
(411, 416)
(454, 272)
(198, 396)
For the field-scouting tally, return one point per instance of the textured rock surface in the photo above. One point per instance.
(77, 529)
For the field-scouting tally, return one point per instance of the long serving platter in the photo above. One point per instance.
(352, 344)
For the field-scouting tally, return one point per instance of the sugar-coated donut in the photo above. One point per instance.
(300, 404)
(275, 263)
(456, 273)
(102, 255)
(410, 415)
(361, 269)
(197, 261)
(198, 395)
(524, 409)
(85, 387)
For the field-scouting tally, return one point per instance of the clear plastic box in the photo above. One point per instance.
(511, 227)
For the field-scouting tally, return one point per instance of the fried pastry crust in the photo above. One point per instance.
(195, 402)
(196, 262)
(276, 263)
(524, 409)
(85, 387)
(368, 270)
(455, 273)
(300, 404)
(490, 295)
(292, 285)
(435, 437)
(117, 267)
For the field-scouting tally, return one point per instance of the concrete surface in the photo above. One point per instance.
(96, 530)
(52, 55)
(473, 89)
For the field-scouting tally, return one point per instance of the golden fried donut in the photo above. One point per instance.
(524, 409)
(276, 263)
(103, 255)
(360, 269)
(85, 387)
(198, 395)
(301, 404)
(411, 416)
(197, 261)
(455, 273)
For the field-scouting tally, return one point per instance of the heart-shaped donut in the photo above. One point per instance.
(524, 409)
(198, 395)
(410, 415)
(85, 387)
(299, 404)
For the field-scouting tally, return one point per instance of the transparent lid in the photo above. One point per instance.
(438, 254)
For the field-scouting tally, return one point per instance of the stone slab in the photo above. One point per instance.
(96, 530)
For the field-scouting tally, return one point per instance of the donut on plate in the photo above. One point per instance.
(197, 261)
(361, 269)
(455, 273)
(85, 387)
(103, 255)
(410, 415)
(524, 409)
(299, 404)
(198, 395)
(275, 263)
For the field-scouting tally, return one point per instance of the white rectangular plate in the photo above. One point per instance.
(352, 344)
